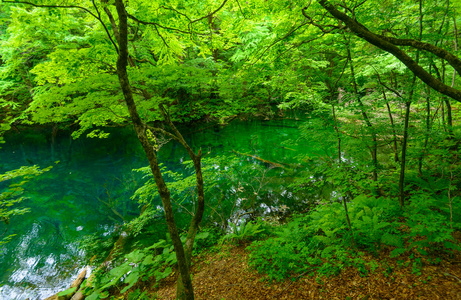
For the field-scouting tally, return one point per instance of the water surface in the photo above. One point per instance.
(89, 176)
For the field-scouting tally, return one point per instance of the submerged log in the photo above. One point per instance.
(279, 125)
(277, 165)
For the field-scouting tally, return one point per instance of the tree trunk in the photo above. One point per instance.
(391, 119)
(337, 133)
(428, 130)
(339, 166)
(181, 290)
(447, 104)
(407, 118)
(374, 145)
(140, 129)
(404, 155)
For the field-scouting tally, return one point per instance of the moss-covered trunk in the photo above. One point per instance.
(140, 128)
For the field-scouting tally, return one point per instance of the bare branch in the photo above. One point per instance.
(161, 36)
(297, 45)
(387, 87)
(52, 6)
(241, 10)
(104, 25)
(162, 131)
(178, 12)
(212, 13)
(157, 24)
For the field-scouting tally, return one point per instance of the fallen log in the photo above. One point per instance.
(277, 165)
(67, 294)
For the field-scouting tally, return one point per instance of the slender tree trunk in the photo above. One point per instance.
(447, 104)
(407, 118)
(181, 291)
(404, 149)
(396, 154)
(443, 115)
(428, 130)
(339, 166)
(374, 146)
(447, 101)
(449, 116)
(140, 129)
(337, 133)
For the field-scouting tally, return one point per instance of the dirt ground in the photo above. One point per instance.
(227, 276)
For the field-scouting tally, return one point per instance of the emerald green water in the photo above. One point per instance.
(70, 201)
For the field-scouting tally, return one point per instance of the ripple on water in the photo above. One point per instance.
(36, 273)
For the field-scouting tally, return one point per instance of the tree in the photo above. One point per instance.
(390, 44)
(54, 79)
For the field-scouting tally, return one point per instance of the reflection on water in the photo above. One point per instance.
(65, 204)
(75, 198)
(35, 269)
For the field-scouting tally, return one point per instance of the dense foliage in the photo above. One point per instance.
(379, 82)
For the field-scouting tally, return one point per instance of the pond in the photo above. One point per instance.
(91, 177)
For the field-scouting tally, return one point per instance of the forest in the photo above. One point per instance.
(230, 149)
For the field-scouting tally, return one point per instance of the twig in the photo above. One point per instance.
(455, 277)
(389, 88)
(210, 14)
(293, 29)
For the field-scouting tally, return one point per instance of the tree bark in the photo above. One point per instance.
(181, 289)
(140, 129)
(338, 136)
(391, 119)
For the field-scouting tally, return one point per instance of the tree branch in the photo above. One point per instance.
(384, 85)
(386, 45)
(454, 61)
(280, 39)
(161, 26)
(97, 17)
(52, 6)
(210, 14)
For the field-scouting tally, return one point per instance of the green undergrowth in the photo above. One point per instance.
(316, 243)
(150, 264)
(132, 275)
(322, 243)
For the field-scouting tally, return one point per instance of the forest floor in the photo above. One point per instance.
(226, 275)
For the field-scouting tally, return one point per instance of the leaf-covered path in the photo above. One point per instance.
(226, 275)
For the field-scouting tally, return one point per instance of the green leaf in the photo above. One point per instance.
(135, 256)
(131, 279)
(67, 292)
(104, 295)
(202, 235)
(149, 260)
